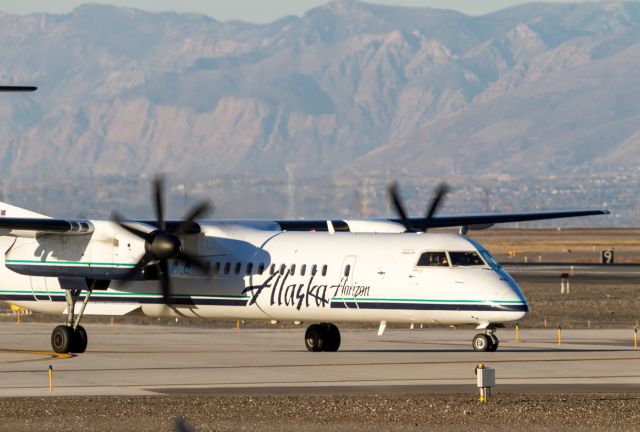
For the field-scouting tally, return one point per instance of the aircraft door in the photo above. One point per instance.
(39, 288)
(347, 276)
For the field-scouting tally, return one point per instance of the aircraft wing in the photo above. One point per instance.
(484, 220)
(17, 225)
(17, 88)
(498, 218)
(45, 225)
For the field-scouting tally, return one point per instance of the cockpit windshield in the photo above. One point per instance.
(489, 258)
(466, 258)
(433, 259)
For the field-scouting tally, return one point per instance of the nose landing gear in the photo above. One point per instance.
(322, 337)
(487, 341)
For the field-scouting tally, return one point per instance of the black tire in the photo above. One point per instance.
(62, 339)
(333, 338)
(80, 340)
(314, 338)
(481, 342)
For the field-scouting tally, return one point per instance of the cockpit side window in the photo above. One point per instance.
(467, 258)
(433, 259)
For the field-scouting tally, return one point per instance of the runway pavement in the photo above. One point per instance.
(147, 360)
(579, 272)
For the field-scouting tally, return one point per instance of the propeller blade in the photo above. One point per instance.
(196, 212)
(132, 274)
(117, 218)
(440, 193)
(165, 281)
(199, 210)
(195, 262)
(158, 191)
(394, 194)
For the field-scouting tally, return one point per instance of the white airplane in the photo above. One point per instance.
(319, 271)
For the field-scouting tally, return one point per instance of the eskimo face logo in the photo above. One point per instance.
(286, 292)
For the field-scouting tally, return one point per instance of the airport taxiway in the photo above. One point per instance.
(150, 360)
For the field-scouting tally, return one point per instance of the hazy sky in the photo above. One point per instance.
(246, 10)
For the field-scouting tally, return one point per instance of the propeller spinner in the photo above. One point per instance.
(161, 245)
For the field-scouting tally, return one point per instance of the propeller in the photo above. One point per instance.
(161, 245)
(394, 194)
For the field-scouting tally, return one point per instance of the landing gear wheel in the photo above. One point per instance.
(494, 343)
(62, 339)
(322, 337)
(332, 338)
(481, 342)
(313, 338)
(80, 340)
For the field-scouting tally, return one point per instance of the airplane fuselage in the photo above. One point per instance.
(289, 276)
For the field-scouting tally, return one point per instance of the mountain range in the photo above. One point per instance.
(350, 89)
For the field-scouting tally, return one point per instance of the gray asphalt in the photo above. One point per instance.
(152, 360)
(591, 273)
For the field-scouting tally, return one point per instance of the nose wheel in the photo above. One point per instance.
(484, 342)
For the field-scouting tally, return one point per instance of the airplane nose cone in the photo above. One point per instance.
(513, 300)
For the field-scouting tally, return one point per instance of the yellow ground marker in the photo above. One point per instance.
(559, 335)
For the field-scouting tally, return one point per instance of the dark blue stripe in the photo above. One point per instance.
(431, 306)
(146, 300)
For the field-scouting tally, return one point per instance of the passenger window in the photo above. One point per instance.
(324, 270)
(261, 268)
(293, 269)
(433, 259)
(314, 270)
(249, 268)
(216, 268)
(227, 267)
(236, 270)
(303, 269)
(347, 270)
(466, 259)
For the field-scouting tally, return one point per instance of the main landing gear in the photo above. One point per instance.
(487, 341)
(322, 337)
(72, 337)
